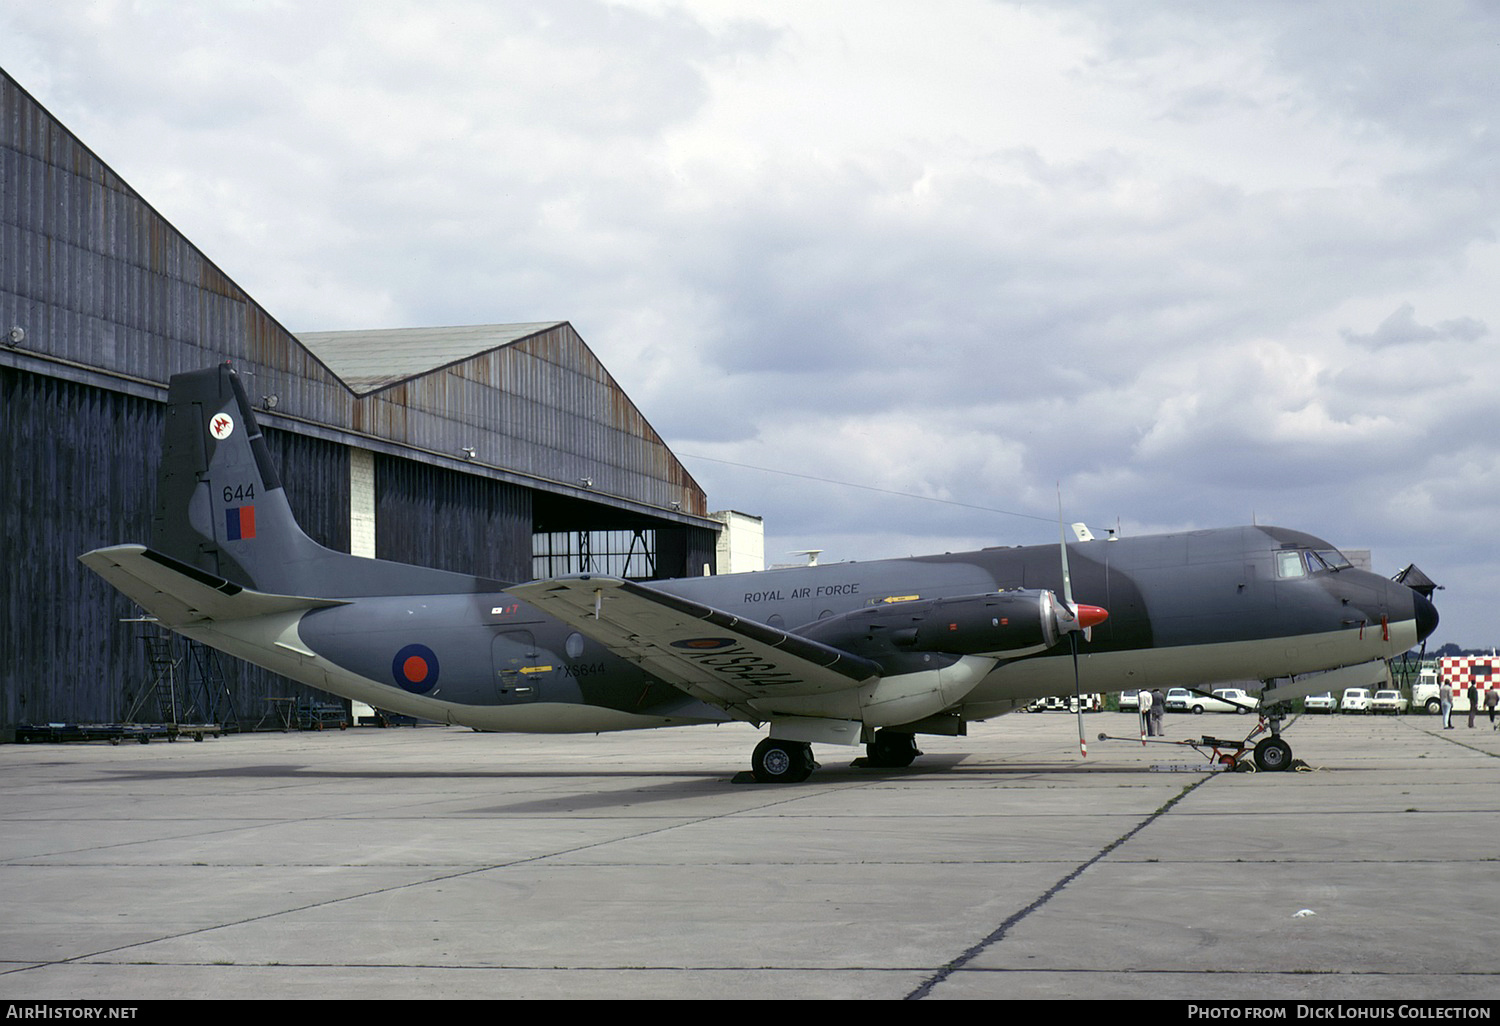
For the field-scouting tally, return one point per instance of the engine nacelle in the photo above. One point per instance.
(1005, 623)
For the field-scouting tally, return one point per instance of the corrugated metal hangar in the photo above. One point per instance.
(503, 450)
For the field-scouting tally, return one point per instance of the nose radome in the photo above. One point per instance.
(1426, 613)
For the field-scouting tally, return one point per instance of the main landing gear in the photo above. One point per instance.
(777, 761)
(891, 749)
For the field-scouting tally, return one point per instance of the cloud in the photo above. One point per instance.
(1401, 329)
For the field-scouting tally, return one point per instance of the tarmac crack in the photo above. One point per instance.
(999, 933)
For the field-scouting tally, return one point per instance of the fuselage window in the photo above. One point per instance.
(1289, 564)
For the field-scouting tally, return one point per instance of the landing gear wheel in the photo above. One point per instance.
(891, 749)
(1273, 755)
(781, 762)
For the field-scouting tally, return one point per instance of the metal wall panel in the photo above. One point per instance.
(71, 484)
(452, 521)
(76, 477)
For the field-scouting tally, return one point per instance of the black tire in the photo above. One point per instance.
(777, 761)
(891, 749)
(1197, 710)
(1433, 706)
(1273, 755)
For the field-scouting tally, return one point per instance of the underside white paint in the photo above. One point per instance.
(1375, 674)
(1192, 665)
(886, 701)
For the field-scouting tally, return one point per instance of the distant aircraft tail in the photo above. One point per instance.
(220, 507)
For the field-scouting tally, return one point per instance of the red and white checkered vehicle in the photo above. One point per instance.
(1454, 675)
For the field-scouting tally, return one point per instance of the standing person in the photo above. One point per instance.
(1492, 699)
(1473, 703)
(1445, 705)
(1158, 710)
(1144, 698)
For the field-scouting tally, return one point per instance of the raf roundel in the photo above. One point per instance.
(221, 426)
(415, 669)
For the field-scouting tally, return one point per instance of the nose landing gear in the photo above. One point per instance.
(1271, 754)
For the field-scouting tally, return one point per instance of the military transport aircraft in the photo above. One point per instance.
(866, 653)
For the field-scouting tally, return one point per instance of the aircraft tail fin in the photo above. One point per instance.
(221, 509)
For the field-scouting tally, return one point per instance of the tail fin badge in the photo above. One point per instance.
(239, 523)
(415, 669)
(221, 426)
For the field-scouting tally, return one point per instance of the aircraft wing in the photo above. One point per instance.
(710, 654)
(179, 595)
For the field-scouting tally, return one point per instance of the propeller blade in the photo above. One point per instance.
(1078, 624)
(1083, 745)
(1062, 543)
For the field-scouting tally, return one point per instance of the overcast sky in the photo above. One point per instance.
(1199, 264)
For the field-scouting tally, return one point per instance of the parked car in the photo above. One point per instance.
(1130, 701)
(1091, 703)
(1240, 700)
(1222, 700)
(1323, 703)
(1177, 699)
(1393, 702)
(1355, 700)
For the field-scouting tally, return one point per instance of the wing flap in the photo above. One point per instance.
(179, 595)
(707, 652)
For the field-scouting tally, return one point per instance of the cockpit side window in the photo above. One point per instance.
(1326, 559)
(1289, 564)
(1334, 558)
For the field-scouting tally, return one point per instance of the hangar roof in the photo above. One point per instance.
(368, 361)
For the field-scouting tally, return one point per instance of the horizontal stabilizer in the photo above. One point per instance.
(179, 595)
(711, 654)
